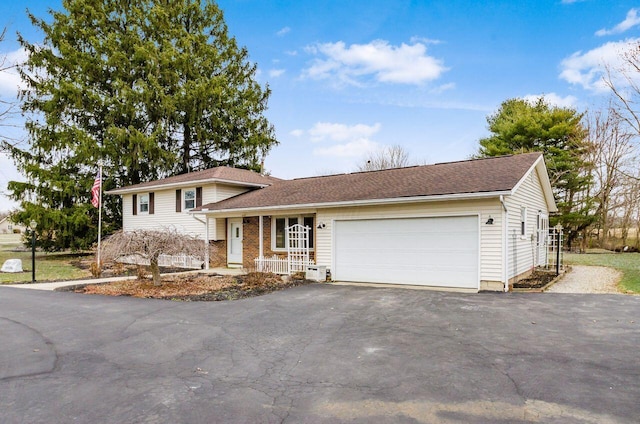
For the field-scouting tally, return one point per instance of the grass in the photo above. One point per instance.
(627, 263)
(49, 266)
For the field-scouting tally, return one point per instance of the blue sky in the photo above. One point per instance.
(349, 77)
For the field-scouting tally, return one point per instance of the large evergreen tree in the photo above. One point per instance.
(520, 126)
(151, 88)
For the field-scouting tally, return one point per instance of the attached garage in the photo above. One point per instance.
(434, 251)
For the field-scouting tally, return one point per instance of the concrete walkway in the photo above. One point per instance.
(57, 284)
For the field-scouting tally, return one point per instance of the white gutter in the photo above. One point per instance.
(183, 184)
(505, 240)
(368, 202)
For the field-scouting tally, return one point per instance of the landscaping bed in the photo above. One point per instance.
(195, 287)
(537, 280)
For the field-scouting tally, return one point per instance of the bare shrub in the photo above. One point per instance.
(261, 279)
(150, 244)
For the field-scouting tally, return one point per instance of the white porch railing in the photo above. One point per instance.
(273, 264)
(277, 265)
(172, 261)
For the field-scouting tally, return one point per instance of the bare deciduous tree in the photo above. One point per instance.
(389, 157)
(150, 244)
(610, 151)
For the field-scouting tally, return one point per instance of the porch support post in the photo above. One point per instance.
(206, 242)
(261, 241)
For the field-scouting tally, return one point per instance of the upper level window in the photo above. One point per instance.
(189, 198)
(523, 220)
(143, 203)
(279, 228)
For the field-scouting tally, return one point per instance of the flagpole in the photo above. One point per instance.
(99, 218)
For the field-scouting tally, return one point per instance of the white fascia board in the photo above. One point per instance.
(182, 184)
(543, 176)
(369, 202)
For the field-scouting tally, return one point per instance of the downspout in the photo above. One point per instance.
(505, 241)
(206, 239)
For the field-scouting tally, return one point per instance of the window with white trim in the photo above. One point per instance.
(279, 226)
(189, 198)
(523, 220)
(143, 203)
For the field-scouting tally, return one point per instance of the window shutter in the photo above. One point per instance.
(198, 196)
(135, 204)
(178, 200)
(151, 198)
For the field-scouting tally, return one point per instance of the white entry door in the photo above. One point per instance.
(234, 242)
(439, 251)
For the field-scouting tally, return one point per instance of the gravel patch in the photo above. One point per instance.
(588, 279)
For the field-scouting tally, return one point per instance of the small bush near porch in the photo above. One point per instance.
(197, 287)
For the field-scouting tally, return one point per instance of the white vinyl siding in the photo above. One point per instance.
(490, 235)
(521, 248)
(165, 215)
(224, 191)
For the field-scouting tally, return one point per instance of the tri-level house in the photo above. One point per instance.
(469, 225)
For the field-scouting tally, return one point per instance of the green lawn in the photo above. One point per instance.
(49, 266)
(627, 263)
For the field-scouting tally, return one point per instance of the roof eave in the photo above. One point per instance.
(126, 190)
(367, 202)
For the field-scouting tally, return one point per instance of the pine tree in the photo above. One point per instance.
(151, 88)
(520, 126)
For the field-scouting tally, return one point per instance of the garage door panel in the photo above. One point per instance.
(426, 251)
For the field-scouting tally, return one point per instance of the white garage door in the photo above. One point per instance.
(439, 251)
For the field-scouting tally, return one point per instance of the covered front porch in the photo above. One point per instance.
(278, 242)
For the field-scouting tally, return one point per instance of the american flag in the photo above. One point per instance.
(95, 190)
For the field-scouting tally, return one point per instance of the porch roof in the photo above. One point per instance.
(498, 175)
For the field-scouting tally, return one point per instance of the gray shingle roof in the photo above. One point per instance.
(471, 176)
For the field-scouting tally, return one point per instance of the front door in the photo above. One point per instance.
(234, 245)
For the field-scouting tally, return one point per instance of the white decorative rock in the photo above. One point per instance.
(12, 265)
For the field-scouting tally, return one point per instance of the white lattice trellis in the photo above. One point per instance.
(298, 248)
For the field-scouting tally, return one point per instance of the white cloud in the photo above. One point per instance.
(570, 1)
(275, 73)
(341, 140)
(403, 64)
(589, 68)
(424, 40)
(322, 131)
(282, 32)
(10, 80)
(553, 99)
(630, 21)
(355, 148)
(297, 133)
(442, 88)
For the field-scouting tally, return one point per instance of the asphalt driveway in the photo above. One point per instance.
(320, 354)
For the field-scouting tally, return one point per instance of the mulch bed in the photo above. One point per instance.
(537, 280)
(196, 287)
